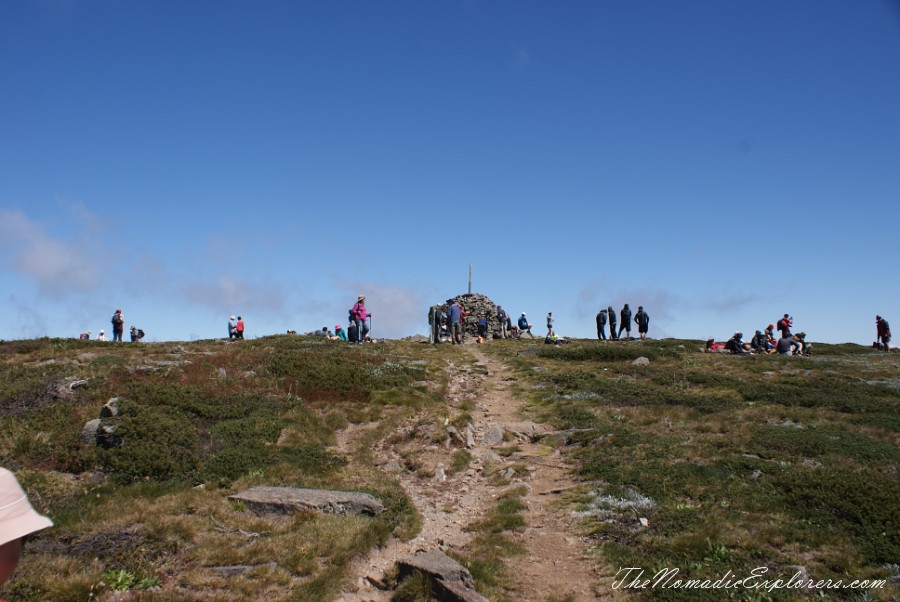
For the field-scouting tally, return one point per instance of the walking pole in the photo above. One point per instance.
(370, 324)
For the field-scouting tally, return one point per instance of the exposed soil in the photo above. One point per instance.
(556, 566)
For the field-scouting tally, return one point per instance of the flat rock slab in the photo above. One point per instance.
(453, 582)
(288, 500)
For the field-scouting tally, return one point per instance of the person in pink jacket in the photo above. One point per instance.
(360, 315)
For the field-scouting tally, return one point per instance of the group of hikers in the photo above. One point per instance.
(357, 331)
(764, 341)
(608, 315)
(118, 328)
(446, 321)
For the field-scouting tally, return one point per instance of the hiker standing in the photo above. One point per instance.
(239, 329)
(883, 332)
(454, 317)
(642, 319)
(611, 314)
(435, 317)
(232, 333)
(549, 323)
(601, 325)
(504, 322)
(118, 324)
(784, 326)
(360, 315)
(625, 325)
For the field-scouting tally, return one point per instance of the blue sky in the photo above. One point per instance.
(718, 162)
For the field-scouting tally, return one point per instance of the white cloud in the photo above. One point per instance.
(231, 295)
(398, 311)
(58, 267)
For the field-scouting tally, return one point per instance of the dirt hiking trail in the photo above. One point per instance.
(556, 565)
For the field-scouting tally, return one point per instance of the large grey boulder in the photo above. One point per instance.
(453, 582)
(288, 500)
(492, 436)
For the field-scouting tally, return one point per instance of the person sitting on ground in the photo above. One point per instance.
(353, 332)
(770, 335)
(85, 336)
(805, 348)
(735, 345)
(101, 336)
(554, 339)
(17, 520)
(524, 326)
(322, 333)
(713, 347)
(788, 346)
(339, 333)
(760, 343)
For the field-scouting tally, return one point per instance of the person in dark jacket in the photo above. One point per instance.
(760, 343)
(642, 319)
(625, 325)
(611, 314)
(735, 344)
(883, 332)
(601, 325)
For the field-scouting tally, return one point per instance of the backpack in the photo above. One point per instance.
(117, 319)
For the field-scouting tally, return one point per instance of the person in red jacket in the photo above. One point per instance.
(239, 328)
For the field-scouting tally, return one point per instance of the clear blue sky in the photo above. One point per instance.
(718, 162)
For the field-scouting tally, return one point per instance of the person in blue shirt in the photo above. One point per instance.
(454, 317)
(524, 326)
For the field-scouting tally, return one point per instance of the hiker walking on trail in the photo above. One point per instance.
(503, 318)
(625, 325)
(360, 315)
(883, 331)
(454, 317)
(642, 319)
(118, 324)
(601, 325)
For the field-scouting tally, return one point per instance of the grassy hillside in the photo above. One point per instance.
(705, 463)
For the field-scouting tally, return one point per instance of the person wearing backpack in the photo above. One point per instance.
(360, 314)
(118, 324)
(883, 332)
(601, 325)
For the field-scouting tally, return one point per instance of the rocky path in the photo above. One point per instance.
(556, 566)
